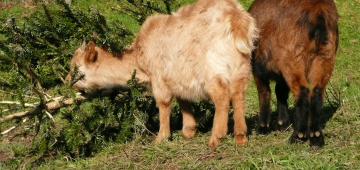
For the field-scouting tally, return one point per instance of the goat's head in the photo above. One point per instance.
(83, 57)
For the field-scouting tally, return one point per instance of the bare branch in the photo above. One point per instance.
(50, 116)
(59, 102)
(49, 106)
(7, 131)
(13, 102)
(138, 120)
(10, 129)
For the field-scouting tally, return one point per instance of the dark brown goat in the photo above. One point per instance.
(296, 48)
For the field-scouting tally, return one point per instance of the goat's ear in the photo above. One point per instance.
(83, 46)
(90, 53)
(94, 37)
(105, 47)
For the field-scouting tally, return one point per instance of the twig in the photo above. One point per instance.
(53, 143)
(50, 116)
(125, 153)
(137, 119)
(335, 95)
(32, 75)
(40, 94)
(7, 131)
(288, 127)
(58, 74)
(5, 110)
(13, 102)
(328, 100)
(10, 129)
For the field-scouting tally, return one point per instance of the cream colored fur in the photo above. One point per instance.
(200, 52)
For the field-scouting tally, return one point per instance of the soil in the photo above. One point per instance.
(14, 136)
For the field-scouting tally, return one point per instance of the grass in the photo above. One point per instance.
(342, 124)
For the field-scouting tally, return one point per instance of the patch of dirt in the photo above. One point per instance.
(26, 3)
(3, 156)
(9, 5)
(14, 136)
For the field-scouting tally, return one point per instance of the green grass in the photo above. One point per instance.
(342, 125)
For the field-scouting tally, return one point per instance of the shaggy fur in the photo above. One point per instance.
(296, 48)
(203, 51)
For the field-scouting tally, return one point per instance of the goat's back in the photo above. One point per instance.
(296, 26)
(187, 49)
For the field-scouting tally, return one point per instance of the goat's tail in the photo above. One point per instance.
(322, 21)
(244, 30)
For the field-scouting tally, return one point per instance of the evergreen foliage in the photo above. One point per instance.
(141, 9)
(34, 56)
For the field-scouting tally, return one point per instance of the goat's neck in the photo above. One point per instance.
(119, 70)
(130, 64)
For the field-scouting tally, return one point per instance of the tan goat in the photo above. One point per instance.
(202, 51)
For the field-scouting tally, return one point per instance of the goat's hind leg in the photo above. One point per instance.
(189, 123)
(264, 94)
(315, 132)
(238, 90)
(218, 91)
(319, 77)
(282, 95)
(298, 86)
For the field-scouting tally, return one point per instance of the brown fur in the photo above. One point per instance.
(297, 45)
(202, 51)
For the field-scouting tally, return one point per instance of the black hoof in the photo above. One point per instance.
(282, 127)
(263, 130)
(317, 139)
(298, 137)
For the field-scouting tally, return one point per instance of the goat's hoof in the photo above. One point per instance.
(298, 137)
(263, 130)
(214, 142)
(240, 139)
(317, 139)
(282, 126)
(159, 138)
(188, 132)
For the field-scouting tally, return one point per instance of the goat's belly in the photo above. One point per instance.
(190, 90)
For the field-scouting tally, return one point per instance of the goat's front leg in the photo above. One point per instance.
(163, 101)
(164, 116)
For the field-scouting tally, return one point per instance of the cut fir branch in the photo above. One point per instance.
(141, 9)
